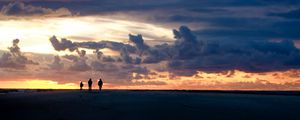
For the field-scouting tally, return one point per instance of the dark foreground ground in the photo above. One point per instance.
(149, 105)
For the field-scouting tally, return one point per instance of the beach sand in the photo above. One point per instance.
(147, 105)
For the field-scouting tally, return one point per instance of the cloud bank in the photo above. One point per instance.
(251, 36)
(22, 9)
(15, 59)
(188, 54)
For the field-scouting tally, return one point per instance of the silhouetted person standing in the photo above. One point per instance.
(100, 83)
(81, 85)
(90, 82)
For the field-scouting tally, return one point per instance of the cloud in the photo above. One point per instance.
(109, 6)
(108, 59)
(292, 14)
(188, 54)
(251, 56)
(56, 64)
(22, 9)
(185, 57)
(139, 43)
(15, 59)
(155, 54)
(104, 67)
(214, 19)
(71, 57)
(252, 36)
(65, 44)
(99, 54)
(148, 83)
(114, 68)
(124, 49)
(119, 73)
(7, 61)
(240, 28)
(125, 56)
(80, 64)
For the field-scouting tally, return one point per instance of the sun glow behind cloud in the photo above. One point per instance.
(34, 33)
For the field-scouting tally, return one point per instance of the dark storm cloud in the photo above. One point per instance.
(293, 14)
(215, 19)
(226, 35)
(225, 21)
(111, 6)
(22, 9)
(15, 58)
(189, 54)
(124, 49)
(250, 56)
(139, 43)
(79, 62)
(125, 56)
(243, 28)
(115, 68)
(65, 44)
(108, 6)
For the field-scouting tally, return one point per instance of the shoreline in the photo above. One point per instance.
(255, 92)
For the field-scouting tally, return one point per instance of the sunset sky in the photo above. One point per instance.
(150, 44)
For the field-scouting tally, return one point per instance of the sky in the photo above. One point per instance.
(147, 44)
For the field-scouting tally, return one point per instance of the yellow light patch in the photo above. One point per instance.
(36, 84)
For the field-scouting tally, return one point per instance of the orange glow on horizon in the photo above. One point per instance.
(234, 80)
(36, 84)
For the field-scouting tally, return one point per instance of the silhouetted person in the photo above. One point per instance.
(100, 83)
(90, 82)
(81, 85)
